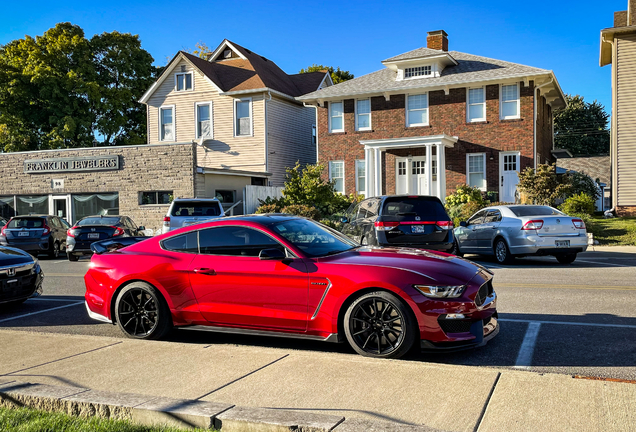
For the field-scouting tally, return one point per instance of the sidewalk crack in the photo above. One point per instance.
(483, 411)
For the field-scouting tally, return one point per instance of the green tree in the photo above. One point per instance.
(582, 127)
(337, 75)
(543, 186)
(61, 90)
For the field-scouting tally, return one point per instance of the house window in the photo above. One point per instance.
(336, 117)
(204, 119)
(361, 176)
(243, 117)
(417, 110)
(313, 134)
(166, 124)
(183, 81)
(476, 105)
(509, 101)
(155, 197)
(363, 114)
(476, 170)
(417, 71)
(336, 174)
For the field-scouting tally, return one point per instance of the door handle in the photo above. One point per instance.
(205, 271)
(501, 180)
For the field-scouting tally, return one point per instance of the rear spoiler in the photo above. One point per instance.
(111, 245)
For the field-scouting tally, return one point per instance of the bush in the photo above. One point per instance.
(543, 186)
(577, 204)
(464, 194)
(582, 183)
(301, 210)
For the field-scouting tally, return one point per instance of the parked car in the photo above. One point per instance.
(36, 234)
(250, 274)
(94, 228)
(511, 231)
(3, 222)
(20, 276)
(400, 220)
(188, 211)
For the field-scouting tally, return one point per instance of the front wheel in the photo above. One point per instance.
(566, 258)
(502, 252)
(142, 313)
(380, 325)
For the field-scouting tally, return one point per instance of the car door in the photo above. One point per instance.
(348, 227)
(234, 287)
(467, 236)
(59, 231)
(367, 227)
(488, 229)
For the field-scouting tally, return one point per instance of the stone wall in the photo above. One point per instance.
(142, 169)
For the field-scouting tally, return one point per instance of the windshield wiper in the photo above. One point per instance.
(333, 252)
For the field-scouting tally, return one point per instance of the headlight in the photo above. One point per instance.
(452, 291)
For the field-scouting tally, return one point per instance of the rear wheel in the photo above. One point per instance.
(502, 252)
(142, 313)
(72, 257)
(566, 258)
(455, 249)
(54, 250)
(380, 325)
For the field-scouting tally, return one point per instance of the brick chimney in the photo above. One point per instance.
(631, 12)
(438, 39)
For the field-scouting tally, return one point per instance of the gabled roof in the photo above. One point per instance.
(248, 71)
(469, 69)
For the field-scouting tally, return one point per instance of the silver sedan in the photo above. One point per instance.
(519, 230)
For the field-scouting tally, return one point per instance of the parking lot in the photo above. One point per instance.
(577, 319)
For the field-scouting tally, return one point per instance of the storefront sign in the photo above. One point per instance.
(57, 165)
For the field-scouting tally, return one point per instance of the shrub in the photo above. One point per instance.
(582, 183)
(577, 204)
(301, 210)
(464, 194)
(543, 186)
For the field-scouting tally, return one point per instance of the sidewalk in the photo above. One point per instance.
(445, 397)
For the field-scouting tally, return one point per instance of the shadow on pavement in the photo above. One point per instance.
(589, 259)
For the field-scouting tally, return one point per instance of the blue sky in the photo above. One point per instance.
(355, 35)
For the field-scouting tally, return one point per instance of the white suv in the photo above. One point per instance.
(189, 211)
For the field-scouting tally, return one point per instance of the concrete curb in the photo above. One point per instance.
(152, 411)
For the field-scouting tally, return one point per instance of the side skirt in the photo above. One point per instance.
(333, 337)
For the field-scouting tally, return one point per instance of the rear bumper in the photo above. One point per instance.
(543, 245)
(39, 245)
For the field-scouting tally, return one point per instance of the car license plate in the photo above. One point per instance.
(562, 243)
(417, 229)
(23, 234)
(93, 235)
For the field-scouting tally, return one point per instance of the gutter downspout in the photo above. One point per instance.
(613, 129)
(536, 89)
(315, 107)
(266, 131)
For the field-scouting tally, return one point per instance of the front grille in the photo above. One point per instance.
(22, 287)
(455, 326)
(484, 291)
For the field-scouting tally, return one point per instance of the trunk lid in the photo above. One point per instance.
(553, 226)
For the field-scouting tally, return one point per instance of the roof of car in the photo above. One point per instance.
(195, 199)
(265, 218)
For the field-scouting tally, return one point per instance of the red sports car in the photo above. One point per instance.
(288, 276)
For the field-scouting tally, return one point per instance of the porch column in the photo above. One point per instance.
(378, 171)
(368, 172)
(429, 169)
(441, 171)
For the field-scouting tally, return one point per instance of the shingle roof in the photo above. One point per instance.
(416, 53)
(256, 72)
(597, 167)
(470, 68)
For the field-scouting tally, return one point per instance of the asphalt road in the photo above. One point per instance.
(577, 319)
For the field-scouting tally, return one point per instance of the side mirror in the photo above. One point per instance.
(141, 228)
(344, 219)
(272, 254)
(463, 224)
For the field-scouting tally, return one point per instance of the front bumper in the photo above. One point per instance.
(483, 331)
(25, 284)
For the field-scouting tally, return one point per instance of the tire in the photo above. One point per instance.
(566, 258)
(455, 250)
(72, 257)
(54, 250)
(380, 325)
(142, 313)
(502, 252)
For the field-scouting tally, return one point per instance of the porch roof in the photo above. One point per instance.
(410, 142)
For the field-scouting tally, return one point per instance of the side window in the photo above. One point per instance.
(65, 224)
(493, 216)
(235, 241)
(55, 223)
(131, 224)
(182, 243)
(353, 213)
(374, 208)
(478, 218)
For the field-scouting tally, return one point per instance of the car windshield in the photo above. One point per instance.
(521, 211)
(110, 221)
(26, 223)
(313, 239)
(194, 208)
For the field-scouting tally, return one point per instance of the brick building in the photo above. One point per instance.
(434, 119)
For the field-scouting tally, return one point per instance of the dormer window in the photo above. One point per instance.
(414, 72)
(183, 81)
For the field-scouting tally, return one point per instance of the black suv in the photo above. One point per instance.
(95, 228)
(36, 234)
(400, 221)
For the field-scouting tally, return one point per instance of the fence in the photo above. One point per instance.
(251, 195)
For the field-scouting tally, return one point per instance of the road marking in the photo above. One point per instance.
(526, 351)
(569, 323)
(63, 274)
(42, 311)
(608, 264)
(51, 299)
(554, 286)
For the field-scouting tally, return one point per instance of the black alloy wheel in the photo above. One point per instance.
(502, 252)
(379, 325)
(566, 258)
(55, 250)
(141, 312)
(455, 249)
(72, 257)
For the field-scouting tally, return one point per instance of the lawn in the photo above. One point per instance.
(30, 420)
(615, 231)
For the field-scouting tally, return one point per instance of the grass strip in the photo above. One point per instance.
(31, 420)
(615, 231)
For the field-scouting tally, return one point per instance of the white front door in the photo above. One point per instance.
(508, 176)
(60, 205)
(401, 176)
(418, 175)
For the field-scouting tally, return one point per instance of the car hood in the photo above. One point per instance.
(11, 256)
(434, 265)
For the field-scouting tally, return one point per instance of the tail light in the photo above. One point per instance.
(578, 223)
(46, 230)
(385, 226)
(118, 231)
(3, 228)
(533, 225)
(71, 232)
(166, 221)
(445, 225)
